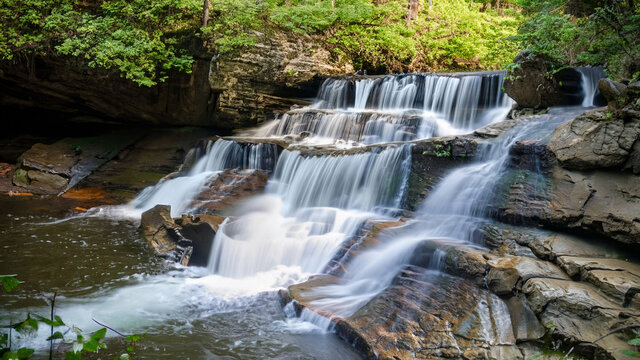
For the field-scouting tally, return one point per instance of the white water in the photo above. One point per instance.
(590, 76)
(311, 206)
(449, 216)
(395, 108)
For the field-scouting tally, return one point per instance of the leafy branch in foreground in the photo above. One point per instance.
(81, 343)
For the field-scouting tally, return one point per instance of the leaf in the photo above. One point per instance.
(125, 357)
(56, 335)
(91, 346)
(77, 347)
(130, 348)
(534, 357)
(24, 353)
(4, 338)
(98, 335)
(73, 356)
(133, 338)
(635, 342)
(9, 282)
(630, 353)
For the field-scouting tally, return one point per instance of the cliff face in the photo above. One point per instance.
(68, 86)
(278, 71)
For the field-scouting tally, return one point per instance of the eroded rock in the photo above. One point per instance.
(227, 188)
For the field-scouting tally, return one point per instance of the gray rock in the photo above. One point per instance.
(611, 90)
(594, 140)
(508, 274)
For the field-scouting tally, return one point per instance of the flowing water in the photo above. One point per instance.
(590, 76)
(312, 204)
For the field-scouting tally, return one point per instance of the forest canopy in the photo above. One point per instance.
(144, 40)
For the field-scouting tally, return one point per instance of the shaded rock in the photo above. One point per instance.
(200, 231)
(594, 140)
(227, 188)
(507, 275)
(611, 90)
(467, 262)
(52, 169)
(67, 85)
(633, 161)
(273, 74)
(430, 316)
(534, 84)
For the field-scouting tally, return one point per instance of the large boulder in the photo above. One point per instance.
(533, 83)
(273, 74)
(595, 140)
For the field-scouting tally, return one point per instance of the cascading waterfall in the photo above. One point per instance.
(396, 108)
(450, 215)
(589, 78)
(311, 205)
(221, 155)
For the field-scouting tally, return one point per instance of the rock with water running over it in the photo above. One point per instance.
(430, 315)
(228, 188)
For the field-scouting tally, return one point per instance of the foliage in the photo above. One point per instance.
(633, 342)
(606, 34)
(90, 343)
(144, 40)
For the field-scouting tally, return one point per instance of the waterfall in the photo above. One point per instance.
(312, 204)
(220, 155)
(589, 78)
(396, 108)
(450, 215)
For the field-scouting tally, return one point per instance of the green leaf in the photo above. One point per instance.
(91, 346)
(9, 282)
(125, 357)
(98, 335)
(24, 353)
(635, 342)
(133, 338)
(70, 355)
(56, 335)
(4, 339)
(630, 353)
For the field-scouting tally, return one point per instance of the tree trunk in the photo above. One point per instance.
(205, 13)
(412, 13)
(499, 8)
(333, 3)
(430, 4)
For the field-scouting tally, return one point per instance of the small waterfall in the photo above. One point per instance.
(589, 78)
(385, 109)
(220, 155)
(311, 205)
(450, 215)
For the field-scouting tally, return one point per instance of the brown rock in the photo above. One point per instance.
(507, 275)
(159, 229)
(227, 188)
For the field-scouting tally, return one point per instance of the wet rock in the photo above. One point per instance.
(269, 76)
(496, 129)
(227, 188)
(601, 203)
(54, 168)
(159, 229)
(594, 140)
(466, 262)
(200, 230)
(507, 275)
(633, 161)
(429, 315)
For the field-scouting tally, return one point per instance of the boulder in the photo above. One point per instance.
(200, 230)
(611, 90)
(534, 84)
(594, 140)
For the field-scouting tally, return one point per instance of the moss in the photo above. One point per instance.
(21, 178)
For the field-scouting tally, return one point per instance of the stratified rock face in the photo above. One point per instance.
(533, 83)
(271, 75)
(67, 85)
(595, 140)
(429, 315)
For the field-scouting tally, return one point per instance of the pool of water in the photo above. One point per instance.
(101, 269)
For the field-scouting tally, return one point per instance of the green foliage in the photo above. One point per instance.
(9, 282)
(607, 36)
(633, 342)
(442, 151)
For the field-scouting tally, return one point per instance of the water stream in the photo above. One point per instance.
(312, 204)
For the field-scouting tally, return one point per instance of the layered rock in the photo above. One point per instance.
(67, 85)
(228, 188)
(273, 74)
